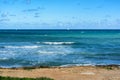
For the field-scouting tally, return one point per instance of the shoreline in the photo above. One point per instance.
(109, 72)
(37, 67)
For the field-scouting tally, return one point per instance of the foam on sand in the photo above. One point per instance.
(88, 73)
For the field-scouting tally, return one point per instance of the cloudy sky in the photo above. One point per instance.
(59, 14)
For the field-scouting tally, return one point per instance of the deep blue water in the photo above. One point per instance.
(19, 48)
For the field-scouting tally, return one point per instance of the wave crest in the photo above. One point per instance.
(56, 43)
(45, 52)
(22, 47)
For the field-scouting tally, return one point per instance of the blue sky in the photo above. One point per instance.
(59, 14)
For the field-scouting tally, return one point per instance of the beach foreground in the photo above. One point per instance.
(66, 73)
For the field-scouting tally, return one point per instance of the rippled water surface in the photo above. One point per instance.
(20, 48)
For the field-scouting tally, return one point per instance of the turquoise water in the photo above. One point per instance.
(20, 48)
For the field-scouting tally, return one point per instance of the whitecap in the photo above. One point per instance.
(45, 52)
(22, 47)
(57, 43)
(4, 58)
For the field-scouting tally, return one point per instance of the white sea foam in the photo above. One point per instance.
(5, 58)
(22, 47)
(70, 65)
(45, 52)
(57, 43)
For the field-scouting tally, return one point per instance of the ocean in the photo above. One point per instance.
(24, 48)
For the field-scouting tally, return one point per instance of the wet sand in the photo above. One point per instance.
(66, 73)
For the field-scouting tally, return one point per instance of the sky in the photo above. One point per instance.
(59, 14)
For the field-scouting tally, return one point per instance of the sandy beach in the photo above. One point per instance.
(66, 73)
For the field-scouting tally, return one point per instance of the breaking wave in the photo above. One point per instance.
(56, 43)
(22, 47)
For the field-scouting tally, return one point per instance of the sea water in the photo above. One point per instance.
(21, 48)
